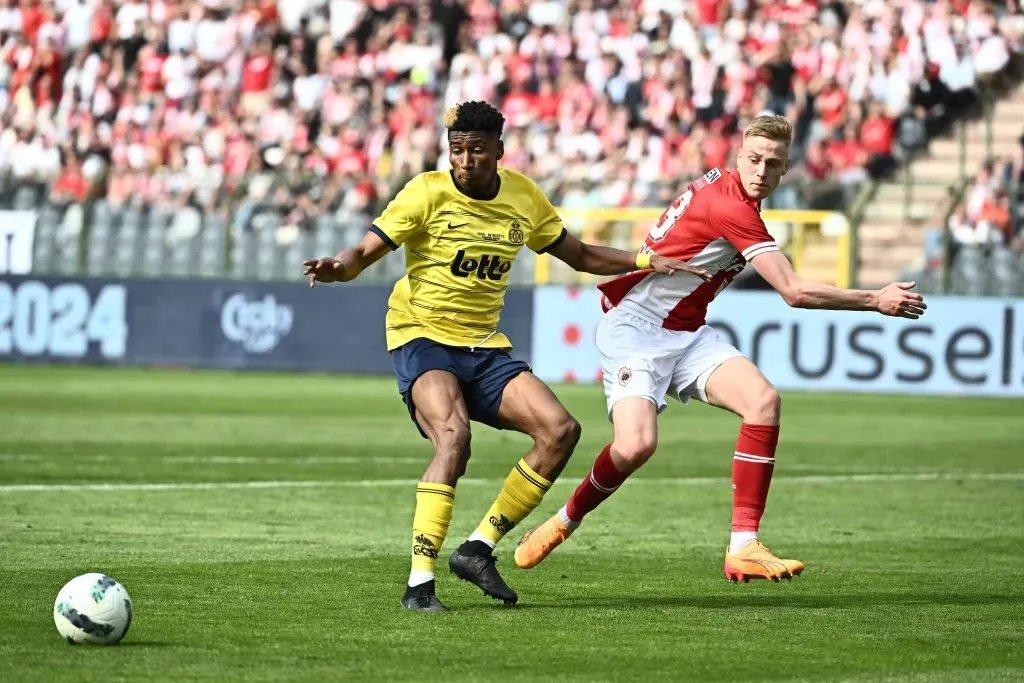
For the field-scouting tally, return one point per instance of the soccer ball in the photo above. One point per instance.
(93, 608)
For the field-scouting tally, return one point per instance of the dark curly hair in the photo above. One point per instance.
(474, 117)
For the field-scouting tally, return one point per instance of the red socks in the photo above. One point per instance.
(596, 487)
(752, 467)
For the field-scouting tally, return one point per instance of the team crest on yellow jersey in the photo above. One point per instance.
(515, 234)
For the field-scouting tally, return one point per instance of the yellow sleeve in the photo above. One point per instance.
(549, 231)
(404, 215)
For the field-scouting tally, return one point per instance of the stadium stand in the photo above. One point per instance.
(979, 249)
(234, 136)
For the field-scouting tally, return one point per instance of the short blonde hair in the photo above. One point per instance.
(773, 127)
(473, 117)
(451, 116)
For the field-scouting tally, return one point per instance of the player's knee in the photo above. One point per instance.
(569, 433)
(452, 444)
(561, 435)
(766, 406)
(630, 453)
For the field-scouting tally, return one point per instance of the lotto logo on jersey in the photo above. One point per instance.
(487, 267)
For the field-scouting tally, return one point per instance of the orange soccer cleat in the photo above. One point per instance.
(754, 561)
(540, 541)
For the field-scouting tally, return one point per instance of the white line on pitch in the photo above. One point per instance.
(372, 483)
(217, 485)
(223, 459)
(844, 470)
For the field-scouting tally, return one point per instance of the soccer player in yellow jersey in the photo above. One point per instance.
(461, 231)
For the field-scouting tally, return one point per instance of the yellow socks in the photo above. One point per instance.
(522, 492)
(434, 503)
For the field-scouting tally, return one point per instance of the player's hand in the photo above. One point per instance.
(895, 300)
(670, 266)
(323, 270)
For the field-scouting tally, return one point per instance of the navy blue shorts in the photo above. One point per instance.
(482, 374)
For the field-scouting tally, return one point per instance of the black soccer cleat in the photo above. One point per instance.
(473, 561)
(421, 598)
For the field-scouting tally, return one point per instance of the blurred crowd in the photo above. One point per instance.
(325, 107)
(992, 212)
(978, 235)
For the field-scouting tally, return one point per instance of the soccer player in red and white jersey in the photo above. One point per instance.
(654, 342)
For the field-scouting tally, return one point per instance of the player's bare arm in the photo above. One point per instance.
(892, 300)
(761, 162)
(348, 263)
(598, 260)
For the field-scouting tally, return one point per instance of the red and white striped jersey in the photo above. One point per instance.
(714, 225)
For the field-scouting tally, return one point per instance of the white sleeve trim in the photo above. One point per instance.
(750, 252)
(756, 247)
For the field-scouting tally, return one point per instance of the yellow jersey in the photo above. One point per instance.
(458, 254)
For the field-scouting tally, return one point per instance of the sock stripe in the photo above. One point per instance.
(605, 489)
(432, 486)
(531, 478)
(435, 491)
(769, 461)
(434, 505)
(752, 467)
(763, 458)
(590, 493)
(522, 491)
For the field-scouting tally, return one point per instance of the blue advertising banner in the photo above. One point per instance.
(210, 323)
(961, 346)
(63, 320)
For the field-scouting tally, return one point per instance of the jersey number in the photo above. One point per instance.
(669, 218)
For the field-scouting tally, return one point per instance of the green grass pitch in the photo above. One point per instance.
(908, 511)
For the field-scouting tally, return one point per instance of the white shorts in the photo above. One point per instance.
(644, 360)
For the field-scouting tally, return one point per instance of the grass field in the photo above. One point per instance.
(909, 513)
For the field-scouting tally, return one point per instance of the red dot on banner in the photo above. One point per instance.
(571, 335)
(573, 292)
(569, 376)
(599, 376)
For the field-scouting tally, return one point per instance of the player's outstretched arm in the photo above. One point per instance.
(893, 299)
(348, 263)
(598, 260)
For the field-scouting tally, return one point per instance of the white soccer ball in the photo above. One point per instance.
(93, 608)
